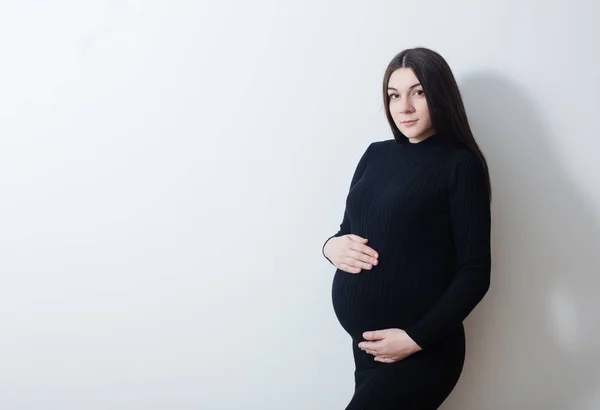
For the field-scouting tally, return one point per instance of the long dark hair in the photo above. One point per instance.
(444, 101)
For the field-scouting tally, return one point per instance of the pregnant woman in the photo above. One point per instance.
(413, 250)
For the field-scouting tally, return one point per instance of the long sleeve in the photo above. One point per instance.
(345, 225)
(469, 210)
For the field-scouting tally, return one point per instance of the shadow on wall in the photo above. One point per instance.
(533, 343)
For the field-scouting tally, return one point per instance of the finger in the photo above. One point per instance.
(383, 359)
(356, 263)
(369, 349)
(366, 345)
(362, 257)
(376, 347)
(349, 260)
(363, 249)
(356, 238)
(350, 269)
(374, 335)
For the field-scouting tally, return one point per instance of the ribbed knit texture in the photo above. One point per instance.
(425, 209)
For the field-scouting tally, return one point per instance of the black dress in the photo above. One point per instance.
(425, 209)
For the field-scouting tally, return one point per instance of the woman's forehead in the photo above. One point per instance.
(403, 78)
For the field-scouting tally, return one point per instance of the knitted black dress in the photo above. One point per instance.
(425, 209)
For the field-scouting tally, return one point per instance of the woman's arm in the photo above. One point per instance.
(345, 225)
(470, 217)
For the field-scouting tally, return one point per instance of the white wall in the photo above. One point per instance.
(169, 171)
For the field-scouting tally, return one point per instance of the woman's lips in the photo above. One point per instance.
(408, 123)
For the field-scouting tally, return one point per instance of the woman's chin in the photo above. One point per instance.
(414, 137)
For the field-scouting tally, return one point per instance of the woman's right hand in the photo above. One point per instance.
(350, 254)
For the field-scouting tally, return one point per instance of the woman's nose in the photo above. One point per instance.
(405, 106)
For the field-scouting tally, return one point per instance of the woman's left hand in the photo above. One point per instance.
(389, 345)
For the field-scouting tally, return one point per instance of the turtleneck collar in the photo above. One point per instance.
(435, 139)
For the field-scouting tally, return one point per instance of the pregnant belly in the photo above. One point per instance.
(372, 301)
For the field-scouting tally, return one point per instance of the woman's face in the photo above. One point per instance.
(408, 105)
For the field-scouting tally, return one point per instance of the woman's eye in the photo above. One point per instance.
(393, 96)
(419, 92)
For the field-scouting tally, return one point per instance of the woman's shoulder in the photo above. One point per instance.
(462, 161)
(381, 145)
(461, 153)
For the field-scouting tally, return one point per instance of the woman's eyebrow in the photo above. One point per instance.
(410, 88)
